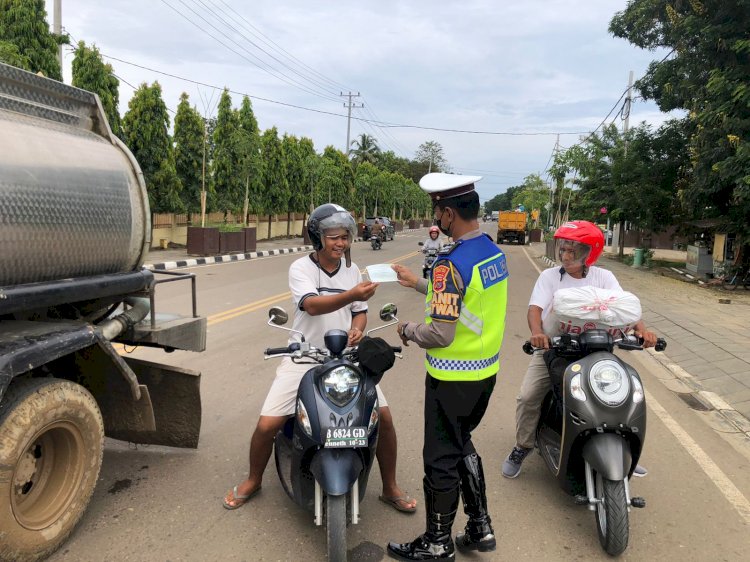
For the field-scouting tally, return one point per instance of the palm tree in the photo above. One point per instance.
(366, 149)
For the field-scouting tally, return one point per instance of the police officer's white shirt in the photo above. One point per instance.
(306, 279)
(549, 282)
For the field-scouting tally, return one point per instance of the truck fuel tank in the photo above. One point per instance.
(73, 201)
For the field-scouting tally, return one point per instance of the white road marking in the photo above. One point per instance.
(733, 495)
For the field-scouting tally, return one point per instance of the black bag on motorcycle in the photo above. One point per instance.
(375, 357)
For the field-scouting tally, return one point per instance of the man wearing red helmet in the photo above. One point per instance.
(578, 244)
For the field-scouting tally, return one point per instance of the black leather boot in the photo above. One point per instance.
(436, 542)
(478, 534)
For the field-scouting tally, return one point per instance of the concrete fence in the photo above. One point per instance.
(172, 228)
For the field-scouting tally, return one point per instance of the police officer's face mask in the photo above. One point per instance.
(439, 221)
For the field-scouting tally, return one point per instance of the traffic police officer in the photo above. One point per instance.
(462, 334)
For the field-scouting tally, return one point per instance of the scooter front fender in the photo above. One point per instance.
(609, 455)
(336, 470)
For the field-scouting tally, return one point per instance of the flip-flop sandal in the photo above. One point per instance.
(239, 501)
(395, 503)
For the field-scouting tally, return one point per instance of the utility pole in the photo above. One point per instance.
(626, 109)
(349, 105)
(57, 29)
(626, 123)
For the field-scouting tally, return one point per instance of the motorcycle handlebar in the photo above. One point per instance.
(661, 345)
(276, 350)
(396, 348)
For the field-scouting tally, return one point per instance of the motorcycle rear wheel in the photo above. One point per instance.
(611, 515)
(336, 528)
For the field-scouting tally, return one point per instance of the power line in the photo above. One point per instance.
(324, 112)
(268, 41)
(258, 64)
(315, 83)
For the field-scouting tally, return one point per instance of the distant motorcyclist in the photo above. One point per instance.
(378, 230)
(433, 242)
(578, 245)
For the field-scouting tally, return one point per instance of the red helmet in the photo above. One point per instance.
(434, 229)
(583, 233)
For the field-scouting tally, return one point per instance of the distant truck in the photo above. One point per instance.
(494, 215)
(511, 227)
(75, 227)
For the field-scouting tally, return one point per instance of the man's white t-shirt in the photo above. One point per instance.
(306, 279)
(549, 281)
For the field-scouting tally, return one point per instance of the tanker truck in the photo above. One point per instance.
(74, 232)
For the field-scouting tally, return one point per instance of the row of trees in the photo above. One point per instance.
(224, 163)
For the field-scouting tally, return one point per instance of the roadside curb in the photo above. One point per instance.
(226, 258)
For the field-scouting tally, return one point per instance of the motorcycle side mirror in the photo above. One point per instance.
(388, 312)
(420, 243)
(278, 316)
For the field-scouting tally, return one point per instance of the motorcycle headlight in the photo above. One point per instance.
(374, 416)
(610, 382)
(637, 390)
(303, 418)
(341, 385)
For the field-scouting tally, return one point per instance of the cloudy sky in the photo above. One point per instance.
(489, 66)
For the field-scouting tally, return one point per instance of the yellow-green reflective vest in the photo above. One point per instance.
(474, 353)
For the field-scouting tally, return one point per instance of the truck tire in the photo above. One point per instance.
(522, 239)
(51, 440)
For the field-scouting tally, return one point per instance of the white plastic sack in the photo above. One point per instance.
(578, 309)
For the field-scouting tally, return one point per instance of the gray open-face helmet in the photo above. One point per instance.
(326, 217)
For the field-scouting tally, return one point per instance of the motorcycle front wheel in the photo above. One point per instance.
(611, 515)
(336, 528)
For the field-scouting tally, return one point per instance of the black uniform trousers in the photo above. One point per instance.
(452, 410)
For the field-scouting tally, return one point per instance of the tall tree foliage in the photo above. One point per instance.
(275, 185)
(91, 73)
(309, 161)
(503, 201)
(9, 54)
(188, 152)
(249, 161)
(146, 133)
(534, 194)
(23, 23)
(295, 173)
(365, 149)
(707, 75)
(635, 176)
(225, 162)
(336, 178)
(431, 155)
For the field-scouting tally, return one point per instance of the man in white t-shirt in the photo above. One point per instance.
(328, 293)
(579, 245)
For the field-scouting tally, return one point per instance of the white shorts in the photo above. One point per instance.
(283, 393)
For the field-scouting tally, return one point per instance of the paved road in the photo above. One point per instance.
(155, 503)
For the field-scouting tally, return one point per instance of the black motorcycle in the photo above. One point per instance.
(593, 426)
(430, 255)
(325, 452)
(376, 241)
